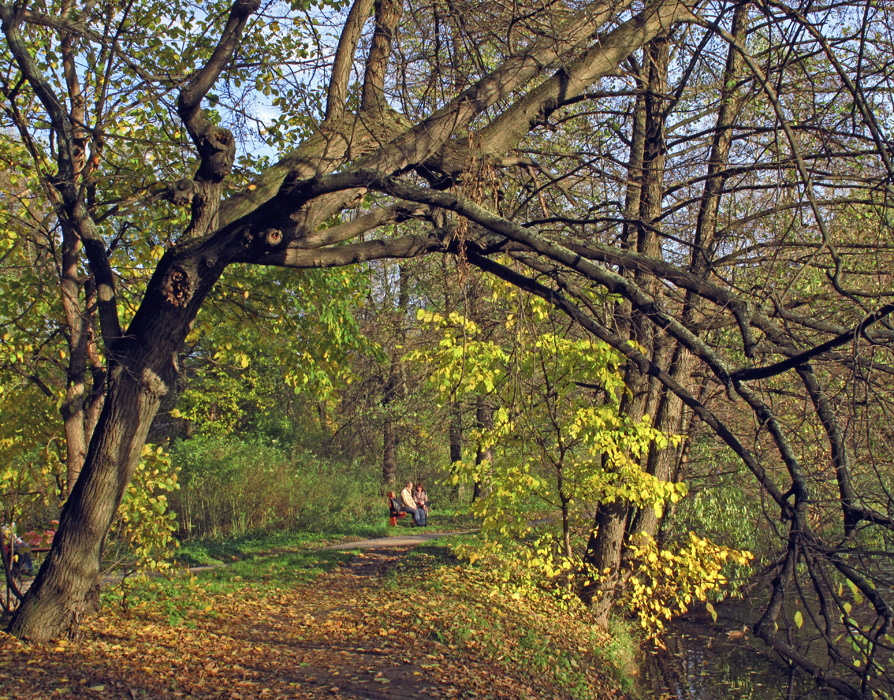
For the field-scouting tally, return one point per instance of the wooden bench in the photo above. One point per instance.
(395, 514)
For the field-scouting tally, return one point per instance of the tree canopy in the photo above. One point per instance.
(701, 186)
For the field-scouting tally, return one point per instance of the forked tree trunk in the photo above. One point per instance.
(669, 415)
(605, 549)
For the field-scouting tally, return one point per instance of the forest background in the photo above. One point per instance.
(614, 260)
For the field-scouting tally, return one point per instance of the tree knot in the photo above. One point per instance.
(243, 8)
(273, 236)
(181, 192)
(177, 288)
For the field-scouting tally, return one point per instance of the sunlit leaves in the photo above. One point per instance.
(266, 334)
(143, 535)
(662, 582)
(560, 441)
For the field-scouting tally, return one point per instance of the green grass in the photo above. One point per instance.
(176, 597)
(212, 552)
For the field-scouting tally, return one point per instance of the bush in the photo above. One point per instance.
(233, 486)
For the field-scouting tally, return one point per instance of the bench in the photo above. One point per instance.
(394, 513)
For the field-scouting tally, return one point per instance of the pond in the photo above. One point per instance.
(705, 660)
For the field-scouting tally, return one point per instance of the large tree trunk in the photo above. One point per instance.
(604, 550)
(57, 597)
(140, 375)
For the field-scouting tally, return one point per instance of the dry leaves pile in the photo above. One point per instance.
(349, 634)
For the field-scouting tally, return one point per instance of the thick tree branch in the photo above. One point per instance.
(337, 93)
(191, 97)
(439, 241)
(603, 58)
(750, 374)
(215, 145)
(388, 14)
(361, 224)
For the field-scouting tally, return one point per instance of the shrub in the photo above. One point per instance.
(234, 486)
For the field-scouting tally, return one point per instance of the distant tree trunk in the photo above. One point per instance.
(565, 503)
(646, 175)
(394, 383)
(389, 440)
(456, 438)
(484, 420)
(76, 321)
(456, 432)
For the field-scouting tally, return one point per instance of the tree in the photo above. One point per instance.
(728, 198)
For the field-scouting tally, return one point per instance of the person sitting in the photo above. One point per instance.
(421, 498)
(410, 506)
(19, 554)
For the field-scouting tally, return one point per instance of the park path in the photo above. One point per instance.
(333, 638)
(410, 540)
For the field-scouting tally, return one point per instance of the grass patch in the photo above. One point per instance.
(179, 598)
(216, 551)
(448, 519)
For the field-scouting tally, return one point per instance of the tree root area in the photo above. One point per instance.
(332, 638)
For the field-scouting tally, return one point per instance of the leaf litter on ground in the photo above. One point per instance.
(357, 627)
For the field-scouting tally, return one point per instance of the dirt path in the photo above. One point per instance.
(332, 653)
(329, 639)
(409, 540)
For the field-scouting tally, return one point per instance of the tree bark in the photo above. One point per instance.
(57, 598)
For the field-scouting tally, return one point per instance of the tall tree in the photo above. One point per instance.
(513, 138)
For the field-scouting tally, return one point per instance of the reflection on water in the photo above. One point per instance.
(702, 663)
